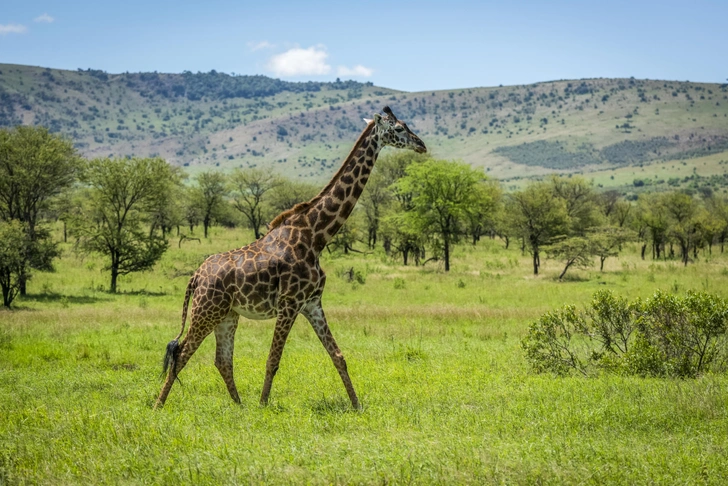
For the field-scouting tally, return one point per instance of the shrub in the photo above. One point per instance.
(666, 335)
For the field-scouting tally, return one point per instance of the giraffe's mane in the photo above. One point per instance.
(304, 206)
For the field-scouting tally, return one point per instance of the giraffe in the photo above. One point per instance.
(278, 276)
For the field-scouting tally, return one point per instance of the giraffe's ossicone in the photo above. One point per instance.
(279, 275)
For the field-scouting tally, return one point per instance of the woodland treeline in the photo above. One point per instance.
(415, 209)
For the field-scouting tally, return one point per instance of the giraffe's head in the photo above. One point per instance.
(396, 133)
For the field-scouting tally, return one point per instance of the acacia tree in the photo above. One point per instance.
(442, 194)
(538, 217)
(575, 251)
(652, 215)
(621, 213)
(35, 167)
(607, 241)
(192, 213)
(250, 192)
(349, 234)
(582, 204)
(169, 211)
(209, 195)
(12, 249)
(482, 216)
(681, 210)
(379, 194)
(374, 200)
(402, 237)
(123, 194)
(713, 222)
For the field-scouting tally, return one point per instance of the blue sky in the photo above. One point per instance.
(411, 46)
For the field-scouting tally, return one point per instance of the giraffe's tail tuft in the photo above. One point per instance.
(170, 357)
(173, 347)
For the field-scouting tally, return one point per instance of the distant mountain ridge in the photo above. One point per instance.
(213, 119)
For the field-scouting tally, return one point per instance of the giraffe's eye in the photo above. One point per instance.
(398, 129)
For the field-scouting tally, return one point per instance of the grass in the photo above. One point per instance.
(435, 358)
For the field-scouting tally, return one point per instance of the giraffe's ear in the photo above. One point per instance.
(367, 120)
(377, 117)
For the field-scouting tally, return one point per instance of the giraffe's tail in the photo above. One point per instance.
(173, 347)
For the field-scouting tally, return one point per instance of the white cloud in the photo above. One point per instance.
(256, 46)
(45, 18)
(300, 62)
(12, 29)
(357, 71)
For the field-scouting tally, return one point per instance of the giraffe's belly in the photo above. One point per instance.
(257, 312)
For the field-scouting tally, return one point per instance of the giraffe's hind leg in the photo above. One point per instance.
(315, 315)
(225, 338)
(198, 331)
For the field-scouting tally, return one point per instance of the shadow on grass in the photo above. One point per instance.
(145, 293)
(48, 297)
(329, 406)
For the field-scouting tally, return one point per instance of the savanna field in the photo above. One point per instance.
(436, 358)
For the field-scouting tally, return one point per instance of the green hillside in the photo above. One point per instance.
(614, 130)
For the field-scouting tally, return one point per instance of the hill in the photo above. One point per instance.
(616, 130)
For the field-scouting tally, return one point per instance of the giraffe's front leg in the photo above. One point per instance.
(315, 315)
(286, 318)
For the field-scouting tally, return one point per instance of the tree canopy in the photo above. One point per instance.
(35, 166)
(122, 196)
(443, 194)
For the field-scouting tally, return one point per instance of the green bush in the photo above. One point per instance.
(666, 335)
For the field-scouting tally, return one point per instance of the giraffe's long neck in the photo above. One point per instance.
(336, 201)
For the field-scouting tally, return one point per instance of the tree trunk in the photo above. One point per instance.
(568, 264)
(644, 249)
(206, 224)
(65, 233)
(535, 262)
(447, 254)
(114, 277)
(372, 238)
(405, 254)
(601, 263)
(7, 299)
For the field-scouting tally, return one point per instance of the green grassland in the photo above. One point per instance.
(447, 394)
(303, 130)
